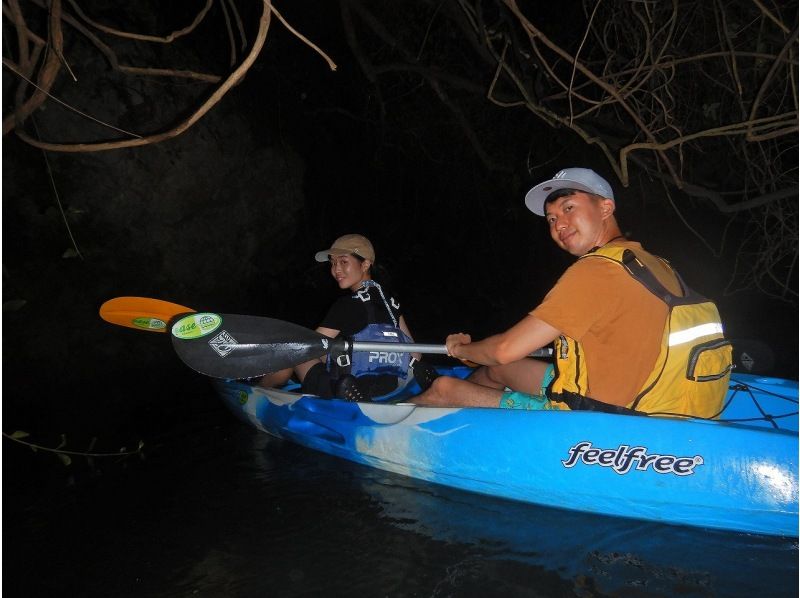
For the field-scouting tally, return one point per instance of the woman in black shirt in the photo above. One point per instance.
(368, 311)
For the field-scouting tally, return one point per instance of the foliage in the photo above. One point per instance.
(699, 95)
(64, 455)
(43, 32)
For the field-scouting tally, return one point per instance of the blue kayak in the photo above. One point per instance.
(737, 473)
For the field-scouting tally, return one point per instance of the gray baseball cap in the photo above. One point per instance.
(582, 179)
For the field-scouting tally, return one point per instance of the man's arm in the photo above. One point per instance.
(525, 336)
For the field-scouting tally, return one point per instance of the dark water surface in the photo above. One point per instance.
(218, 509)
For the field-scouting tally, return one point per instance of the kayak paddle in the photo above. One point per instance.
(141, 313)
(236, 346)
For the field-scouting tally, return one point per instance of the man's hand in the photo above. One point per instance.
(454, 342)
(518, 342)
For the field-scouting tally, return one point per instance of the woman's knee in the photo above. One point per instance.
(275, 378)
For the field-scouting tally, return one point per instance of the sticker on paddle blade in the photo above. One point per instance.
(196, 325)
(223, 343)
(149, 323)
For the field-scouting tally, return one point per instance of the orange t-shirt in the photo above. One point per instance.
(617, 320)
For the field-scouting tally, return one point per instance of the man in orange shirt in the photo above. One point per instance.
(615, 324)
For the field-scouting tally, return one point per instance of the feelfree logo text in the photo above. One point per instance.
(625, 458)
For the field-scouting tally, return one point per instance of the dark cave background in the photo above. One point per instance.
(227, 216)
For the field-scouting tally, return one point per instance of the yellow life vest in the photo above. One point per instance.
(690, 376)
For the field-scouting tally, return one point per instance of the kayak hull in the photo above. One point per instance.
(733, 476)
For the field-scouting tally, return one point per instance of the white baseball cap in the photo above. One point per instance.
(582, 179)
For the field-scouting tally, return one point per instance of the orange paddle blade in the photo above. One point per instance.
(141, 313)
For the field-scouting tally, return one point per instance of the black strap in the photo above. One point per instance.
(578, 402)
(336, 368)
(647, 279)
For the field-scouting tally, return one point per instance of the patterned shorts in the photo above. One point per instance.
(522, 400)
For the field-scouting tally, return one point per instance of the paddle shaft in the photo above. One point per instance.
(418, 348)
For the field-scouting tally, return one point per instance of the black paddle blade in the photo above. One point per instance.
(238, 347)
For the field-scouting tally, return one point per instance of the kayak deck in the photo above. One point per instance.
(736, 473)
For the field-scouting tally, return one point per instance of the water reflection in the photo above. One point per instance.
(605, 554)
(218, 509)
(515, 543)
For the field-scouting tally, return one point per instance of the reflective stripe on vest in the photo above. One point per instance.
(685, 336)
